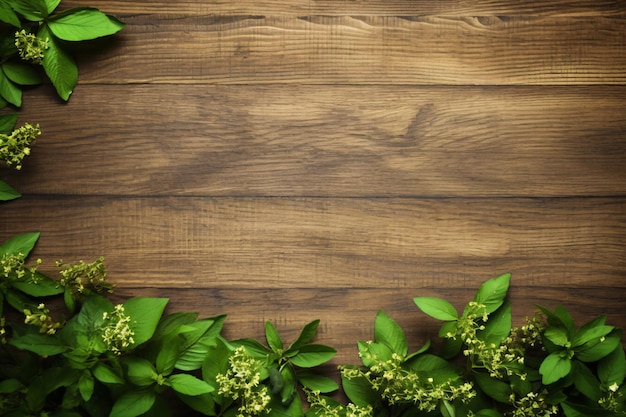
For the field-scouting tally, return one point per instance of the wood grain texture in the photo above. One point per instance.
(334, 243)
(364, 7)
(292, 160)
(364, 50)
(327, 141)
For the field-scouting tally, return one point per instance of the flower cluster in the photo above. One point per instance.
(79, 277)
(41, 317)
(242, 383)
(612, 399)
(16, 146)
(398, 384)
(533, 405)
(30, 47)
(322, 407)
(13, 266)
(116, 333)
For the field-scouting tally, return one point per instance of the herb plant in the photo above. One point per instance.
(67, 351)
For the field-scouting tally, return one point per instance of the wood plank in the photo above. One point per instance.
(328, 141)
(347, 315)
(332, 243)
(362, 8)
(363, 50)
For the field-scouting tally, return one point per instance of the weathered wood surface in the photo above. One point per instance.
(291, 160)
(328, 141)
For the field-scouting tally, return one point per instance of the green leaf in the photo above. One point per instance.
(306, 335)
(51, 5)
(598, 348)
(81, 24)
(254, 348)
(140, 371)
(22, 74)
(50, 380)
(447, 409)
(288, 378)
(168, 355)
(8, 122)
(494, 388)
(316, 382)
(360, 391)
(33, 10)
(498, 327)
(23, 244)
(41, 344)
(612, 368)
(189, 385)
(492, 292)
(576, 410)
(7, 15)
(106, 374)
(273, 338)
(373, 352)
(133, 403)
(557, 335)
(145, 314)
(9, 386)
(7, 193)
(9, 91)
(554, 367)
(86, 385)
(437, 308)
(591, 330)
(488, 412)
(313, 355)
(388, 332)
(197, 342)
(59, 65)
(204, 403)
(586, 382)
(216, 361)
(38, 285)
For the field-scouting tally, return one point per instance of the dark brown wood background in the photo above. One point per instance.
(301, 159)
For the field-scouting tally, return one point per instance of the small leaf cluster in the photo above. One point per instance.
(37, 43)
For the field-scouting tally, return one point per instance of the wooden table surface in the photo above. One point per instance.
(300, 159)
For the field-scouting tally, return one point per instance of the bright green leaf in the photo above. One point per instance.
(388, 332)
(59, 65)
(598, 348)
(447, 409)
(306, 335)
(492, 292)
(38, 285)
(494, 388)
(23, 244)
(133, 403)
(51, 5)
(106, 374)
(273, 338)
(554, 367)
(41, 344)
(594, 329)
(8, 122)
(612, 368)
(9, 91)
(313, 355)
(498, 327)
(86, 385)
(140, 371)
(145, 314)
(316, 382)
(557, 335)
(360, 391)
(81, 24)
(586, 382)
(7, 15)
(289, 384)
(189, 385)
(22, 74)
(7, 193)
(33, 10)
(437, 308)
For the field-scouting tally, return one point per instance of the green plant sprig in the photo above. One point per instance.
(98, 359)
